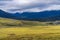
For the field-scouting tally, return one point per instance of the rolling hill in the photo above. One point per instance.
(5, 22)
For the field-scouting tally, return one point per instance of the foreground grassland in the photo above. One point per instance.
(28, 30)
(30, 33)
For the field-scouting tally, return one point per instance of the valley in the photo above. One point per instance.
(11, 29)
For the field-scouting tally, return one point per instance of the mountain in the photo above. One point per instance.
(41, 16)
(52, 15)
(6, 14)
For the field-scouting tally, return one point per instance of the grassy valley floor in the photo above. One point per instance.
(27, 30)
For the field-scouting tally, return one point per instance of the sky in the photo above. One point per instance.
(29, 5)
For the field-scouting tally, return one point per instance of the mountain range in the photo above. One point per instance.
(52, 15)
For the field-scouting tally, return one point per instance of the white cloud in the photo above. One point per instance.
(29, 5)
(53, 7)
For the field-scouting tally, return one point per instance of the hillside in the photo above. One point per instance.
(5, 22)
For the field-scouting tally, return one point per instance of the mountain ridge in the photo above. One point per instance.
(33, 16)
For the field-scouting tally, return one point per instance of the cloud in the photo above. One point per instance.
(29, 5)
(5, 0)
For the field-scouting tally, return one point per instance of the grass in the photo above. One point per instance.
(41, 33)
(27, 30)
(5, 22)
